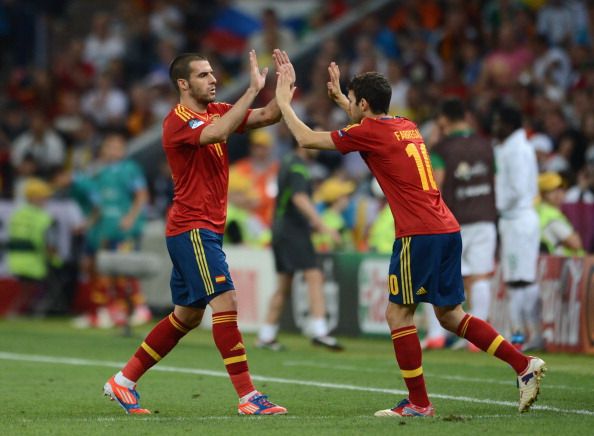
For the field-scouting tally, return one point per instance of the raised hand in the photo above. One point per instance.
(281, 58)
(257, 77)
(284, 84)
(334, 91)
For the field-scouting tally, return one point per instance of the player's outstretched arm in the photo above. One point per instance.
(305, 136)
(270, 113)
(228, 123)
(334, 91)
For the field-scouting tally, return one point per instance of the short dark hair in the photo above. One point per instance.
(509, 116)
(453, 109)
(180, 67)
(374, 88)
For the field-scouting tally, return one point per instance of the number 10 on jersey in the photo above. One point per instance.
(419, 153)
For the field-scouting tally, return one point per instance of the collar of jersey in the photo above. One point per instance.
(203, 117)
(461, 133)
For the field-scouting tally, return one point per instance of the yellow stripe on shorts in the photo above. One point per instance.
(201, 261)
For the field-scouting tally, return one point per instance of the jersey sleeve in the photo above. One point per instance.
(223, 108)
(352, 138)
(178, 131)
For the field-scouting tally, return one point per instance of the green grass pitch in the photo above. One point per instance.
(51, 378)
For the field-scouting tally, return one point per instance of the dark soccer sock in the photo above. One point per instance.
(230, 344)
(409, 355)
(485, 337)
(160, 341)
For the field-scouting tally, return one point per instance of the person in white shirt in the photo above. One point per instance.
(516, 187)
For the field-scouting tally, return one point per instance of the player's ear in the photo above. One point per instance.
(363, 104)
(182, 84)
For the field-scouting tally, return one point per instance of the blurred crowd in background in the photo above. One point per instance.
(81, 79)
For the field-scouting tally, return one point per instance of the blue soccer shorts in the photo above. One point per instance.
(200, 271)
(427, 268)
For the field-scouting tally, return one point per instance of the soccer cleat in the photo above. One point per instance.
(127, 398)
(273, 345)
(529, 383)
(258, 404)
(329, 342)
(435, 343)
(407, 409)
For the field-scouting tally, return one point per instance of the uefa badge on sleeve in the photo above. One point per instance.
(194, 124)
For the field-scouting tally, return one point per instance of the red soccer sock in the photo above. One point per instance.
(409, 356)
(230, 344)
(160, 341)
(485, 337)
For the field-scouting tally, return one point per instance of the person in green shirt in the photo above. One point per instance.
(557, 235)
(31, 247)
(335, 194)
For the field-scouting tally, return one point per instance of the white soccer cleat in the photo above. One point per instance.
(529, 383)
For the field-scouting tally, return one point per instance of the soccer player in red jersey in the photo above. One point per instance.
(425, 264)
(195, 136)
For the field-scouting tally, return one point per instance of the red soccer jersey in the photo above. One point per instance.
(200, 172)
(393, 149)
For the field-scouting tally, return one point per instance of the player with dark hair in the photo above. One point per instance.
(195, 136)
(293, 251)
(425, 264)
(464, 168)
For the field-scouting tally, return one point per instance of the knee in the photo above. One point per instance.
(190, 317)
(191, 320)
(446, 322)
(449, 318)
(398, 317)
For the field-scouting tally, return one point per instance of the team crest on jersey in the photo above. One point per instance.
(194, 123)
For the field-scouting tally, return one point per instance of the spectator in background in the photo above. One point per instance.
(334, 194)
(140, 116)
(71, 71)
(272, 35)
(381, 233)
(503, 65)
(121, 199)
(243, 225)
(106, 104)
(367, 56)
(557, 235)
(84, 148)
(37, 150)
(579, 203)
(556, 21)
(543, 147)
(141, 48)
(166, 22)
(400, 86)
(516, 189)
(260, 169)
(68, 119)
(103, 44)
(31, 248)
